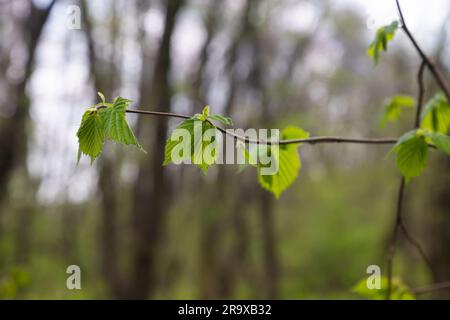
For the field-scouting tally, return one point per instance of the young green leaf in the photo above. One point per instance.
(394, 107)
(399, 291)
(115, 124)
(190, 143)
(382, 37)
(206, 111)
(91, 135)
(436, 114)
(441, 141)
(102, 97)
(412, 154)
(204, 114)
(225, 120)
(286, 159)
(248, 158)
(101, 122)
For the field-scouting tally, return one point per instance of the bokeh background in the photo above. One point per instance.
(140, 230)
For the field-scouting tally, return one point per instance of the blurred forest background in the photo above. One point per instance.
(140, 230)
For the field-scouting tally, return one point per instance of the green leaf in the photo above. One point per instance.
(441, 141)
(399, 291)
(101, 122)
(285, 158)
(115, 124)
(102, 97)
(394, 107)
(206, 111)
(194, 140)
(225, 120)
(204, 114)
(436, 114)
(291, 133)
(190, 144)
(412, 154)
(249, 158)
(91, 135)
(382, 37)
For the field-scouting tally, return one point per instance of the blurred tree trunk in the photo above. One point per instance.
(199, 87)
(217, 276)
(271, 264)
(439, 242)
(70, 227)
(151, 188)
(439, 199)
(13, 131)
(106, 79)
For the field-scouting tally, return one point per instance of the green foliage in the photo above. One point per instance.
(412, 150)
(206, 116)
(116, 127)
(412, 154)
(441, 141)
(102, 97)
(13, 283)
(399, 291)
(380, 43)
(225, 120)
(101, 122)
(91, 135)
(436, 114)
(195, 129)
(394, 107)
(288, 162)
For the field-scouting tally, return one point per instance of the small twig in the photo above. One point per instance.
(400, 13)
(157, 113)
(312, 140)
(393, 242)
(407, 234)
(420, 95)
(430, 64)
(417, 245)
(399, 223)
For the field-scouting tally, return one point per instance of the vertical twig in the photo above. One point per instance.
(420, 94)
(430, 64)
(399, 223)
(407, 234)
(393, 242)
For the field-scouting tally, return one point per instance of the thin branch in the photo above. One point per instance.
(417, 245)
(400, 13)
(158, 113)
(393, 242)
(420, 95)
(312, 140)
(399, 223)
(407, 234)
(430, 64)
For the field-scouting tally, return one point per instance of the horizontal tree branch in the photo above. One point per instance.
(312, 140)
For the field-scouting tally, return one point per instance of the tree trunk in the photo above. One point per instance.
(151, 189)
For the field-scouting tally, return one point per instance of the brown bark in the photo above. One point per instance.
(150, 194)
(199, 87)
(13, 131)
(105, 79)
(217, 278)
